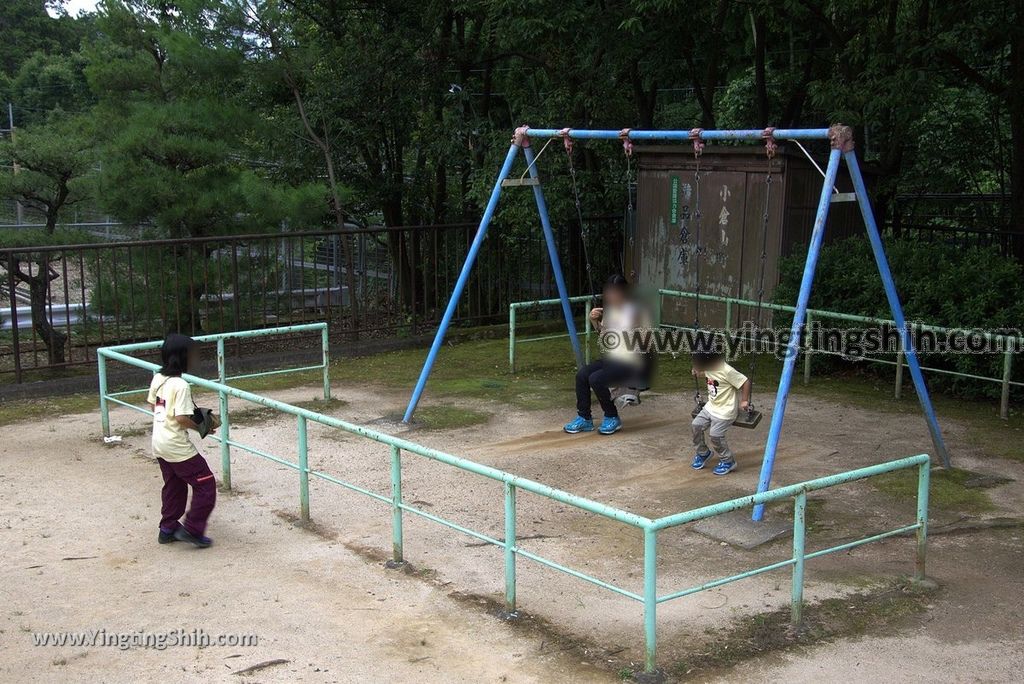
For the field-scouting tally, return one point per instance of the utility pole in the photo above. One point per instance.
(10, 123)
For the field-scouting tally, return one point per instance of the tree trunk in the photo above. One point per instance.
(53, 339)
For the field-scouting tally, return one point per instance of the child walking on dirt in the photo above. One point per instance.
(716, 416)
(174, 414)
(619, 364)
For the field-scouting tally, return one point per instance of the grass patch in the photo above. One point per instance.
(23, 410)
(757, 635)
(449, 417)
(951, 490)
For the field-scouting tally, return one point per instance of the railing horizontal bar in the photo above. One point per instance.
(725, 580)
(522, 483)
(448, 523)
(125, 393)
(279, 371)
(134, 407)
(243, 334)
(524, 340)
(575, 573)
(547, 302)
(788, 492)
(349, 485)
(822, 313)
(262, 454)
(866, 540)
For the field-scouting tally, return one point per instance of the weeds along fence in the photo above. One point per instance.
(512, 486)
(61, 302)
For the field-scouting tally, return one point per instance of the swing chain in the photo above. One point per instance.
(771, 148)
(584, 233)
(698, 150)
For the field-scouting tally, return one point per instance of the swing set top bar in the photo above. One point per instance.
(689, 135)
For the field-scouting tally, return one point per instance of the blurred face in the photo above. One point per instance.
(614, 296)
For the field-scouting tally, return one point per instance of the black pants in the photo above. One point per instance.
(599, 376)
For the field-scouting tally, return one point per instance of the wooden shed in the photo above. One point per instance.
(661, 248)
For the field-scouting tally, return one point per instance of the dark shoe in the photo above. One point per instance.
(181, 534)
(166, 537)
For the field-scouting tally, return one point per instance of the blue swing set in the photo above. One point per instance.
(841, 142)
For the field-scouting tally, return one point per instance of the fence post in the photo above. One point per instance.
(397, 556)
(650, 599)
(799, 533)
(326, 343)
(898, 391)
(1004, 399)
(510, 549)
(303, 470)
(923, 480)
(101, 368)
(512, 338)
(808, 344)
(225, 419)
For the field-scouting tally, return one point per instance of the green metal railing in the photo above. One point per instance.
(513, 484)
(1009, 344)
(515, 307)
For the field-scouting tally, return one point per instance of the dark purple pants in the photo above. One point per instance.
(178, 477)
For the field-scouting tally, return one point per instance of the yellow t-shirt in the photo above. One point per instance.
(723, 383)
(170, 397)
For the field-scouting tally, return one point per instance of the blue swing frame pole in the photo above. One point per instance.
(799, 316)
(556, 265)
(906, 343)
(460, 284)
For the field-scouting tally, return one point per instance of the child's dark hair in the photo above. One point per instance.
(617, 281)
(706, 353)
(174, 354)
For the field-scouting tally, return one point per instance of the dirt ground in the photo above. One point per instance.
(78, 526)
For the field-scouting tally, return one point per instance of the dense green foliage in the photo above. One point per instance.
(215, 116)
(938, 284)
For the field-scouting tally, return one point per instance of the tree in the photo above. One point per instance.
(54, 164)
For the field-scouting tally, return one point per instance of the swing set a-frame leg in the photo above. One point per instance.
(520, 141)
(841, 139)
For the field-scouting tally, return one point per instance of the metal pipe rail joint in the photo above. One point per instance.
(512, 484)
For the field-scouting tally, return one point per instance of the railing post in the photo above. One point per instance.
(303, 470)
(326, 344)
(397, 556)
(101, 368)
(728, 315)
(799, 532)
(923, 480)
(657, 308)
(512, 338)
(808, 345)
(650, 599)
(225, 419)
(898, 391)
(1004, 399)
(510, 549)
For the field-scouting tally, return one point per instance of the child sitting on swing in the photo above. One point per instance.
(718, 413)
(620, 364)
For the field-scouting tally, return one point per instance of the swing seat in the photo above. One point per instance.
(748, 420)
(628, 396)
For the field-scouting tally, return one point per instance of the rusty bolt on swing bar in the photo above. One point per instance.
(840, 137)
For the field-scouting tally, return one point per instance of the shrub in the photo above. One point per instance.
(938, 284)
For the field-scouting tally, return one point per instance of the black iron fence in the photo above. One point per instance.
(61, 302)
(962, 220)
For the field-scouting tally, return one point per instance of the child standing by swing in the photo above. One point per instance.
(620, 315)
(718, 413)
(182, 467)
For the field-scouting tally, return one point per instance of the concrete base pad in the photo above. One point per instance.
(737, 529)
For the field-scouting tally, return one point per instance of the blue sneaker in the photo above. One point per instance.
(724, 467)
(700, 459)
(579, 424)
(610, 425)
